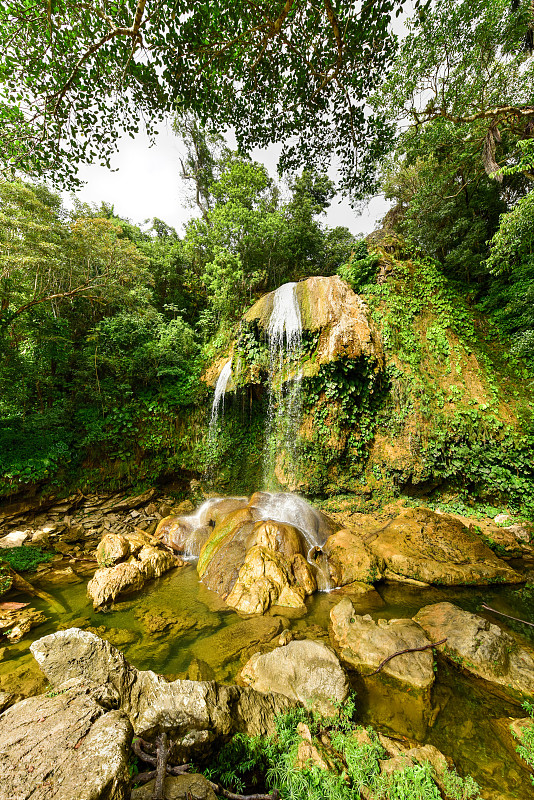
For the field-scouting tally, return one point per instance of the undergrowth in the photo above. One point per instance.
(25, 559)
(352, 752)
(525, 747)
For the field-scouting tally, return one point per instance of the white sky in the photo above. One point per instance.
(147, 181)
(147, 184)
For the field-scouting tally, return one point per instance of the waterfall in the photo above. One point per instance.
(284, 336)
(217, 407)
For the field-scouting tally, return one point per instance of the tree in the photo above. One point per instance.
(45, 260)
(467, 65)
(75, 74)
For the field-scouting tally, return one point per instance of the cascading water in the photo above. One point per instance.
(217, 407)
(284, 336)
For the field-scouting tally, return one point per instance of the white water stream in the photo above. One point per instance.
(217, 407)
(284, 336)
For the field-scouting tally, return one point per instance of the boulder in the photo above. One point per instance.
(64, 747)
(129, 576)
(265, 579)
(15, 539)
(306, 671)
(194, 713)
(351, 560)
(480, 647)
(114, 547)
(438, 549)
(364, 644)
(15, 623)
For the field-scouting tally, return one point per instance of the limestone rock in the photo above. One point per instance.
(350, 559)
(14, 539)
(180, 787)
(480, 647)
(330, 306)
(264, 579)
(304, 670)
(128, 576)
(64, 748)
(112, 548)
(15, 623)
(438, 549)
(195, 713)
(364, 644)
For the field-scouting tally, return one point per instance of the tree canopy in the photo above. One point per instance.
(76, 74)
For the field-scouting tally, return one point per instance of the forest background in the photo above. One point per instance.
(106, 327)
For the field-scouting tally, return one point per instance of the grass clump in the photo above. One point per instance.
(24, 559)
(353, 755)
(525, 747)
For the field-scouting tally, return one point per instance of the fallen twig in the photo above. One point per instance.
(402, 652)
(516, 619)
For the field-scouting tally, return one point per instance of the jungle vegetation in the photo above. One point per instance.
(106, 325)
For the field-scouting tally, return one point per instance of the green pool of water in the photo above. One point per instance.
(176, 623)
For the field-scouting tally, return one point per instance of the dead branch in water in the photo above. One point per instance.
(515, 619)
(402, 652)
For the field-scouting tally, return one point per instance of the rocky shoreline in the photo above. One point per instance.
(100, 701)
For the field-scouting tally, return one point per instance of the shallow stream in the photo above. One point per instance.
(179, 628)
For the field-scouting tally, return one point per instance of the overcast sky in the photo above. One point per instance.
(146, 183)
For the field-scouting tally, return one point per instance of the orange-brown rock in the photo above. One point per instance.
(438, 549)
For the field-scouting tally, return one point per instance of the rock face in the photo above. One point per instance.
(480, 647)
(330, 306)
(438, 549)
(117, 576)
(306, 671)
(257, 552)
(195, 713)
(364, 644)
(350, 559)
(64, 748)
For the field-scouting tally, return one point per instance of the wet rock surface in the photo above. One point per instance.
(364, 644)
(480, 647)
(255, 553)
(305, 670)
(66, 747)
(330, 306)
(195, 713)
(438, 549)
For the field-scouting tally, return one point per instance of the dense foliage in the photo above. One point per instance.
(353, 756)
(75, 74)
(102, 324)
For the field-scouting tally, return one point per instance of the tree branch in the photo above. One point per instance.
(402, 652)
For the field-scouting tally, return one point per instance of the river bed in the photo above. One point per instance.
(179, 628)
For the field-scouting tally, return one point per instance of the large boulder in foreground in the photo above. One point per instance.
(306, 671)
(195, 713)
(65, 747)
(480, 647)
(364, 644)
(438, 549)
